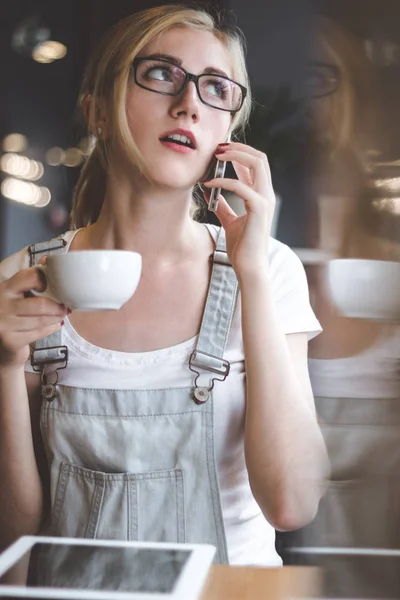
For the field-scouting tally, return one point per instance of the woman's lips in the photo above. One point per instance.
(177, 147)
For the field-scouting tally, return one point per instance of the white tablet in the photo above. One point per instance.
(46, 567)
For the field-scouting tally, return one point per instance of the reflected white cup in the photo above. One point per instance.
(88, 280)
(365, 289)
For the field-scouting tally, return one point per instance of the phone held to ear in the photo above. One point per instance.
(215, 192)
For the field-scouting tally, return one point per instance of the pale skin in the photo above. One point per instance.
(285, 453)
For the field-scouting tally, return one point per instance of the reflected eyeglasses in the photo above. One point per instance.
(164, 77)
(321, 79)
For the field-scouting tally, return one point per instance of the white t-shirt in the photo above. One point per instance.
(250, 538)
(373, 373)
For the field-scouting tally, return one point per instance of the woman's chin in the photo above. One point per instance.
(175, 180)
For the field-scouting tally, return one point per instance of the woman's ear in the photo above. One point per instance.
(95, 123)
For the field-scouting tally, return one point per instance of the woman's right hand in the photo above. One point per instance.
(24, 320)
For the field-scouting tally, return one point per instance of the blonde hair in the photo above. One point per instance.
(105, 84)
(351, 107)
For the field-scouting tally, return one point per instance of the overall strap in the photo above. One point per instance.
(48, 356)
(217, 319)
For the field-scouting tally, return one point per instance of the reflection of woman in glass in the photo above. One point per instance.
(343, 121)
(354, 363)
(138, 446)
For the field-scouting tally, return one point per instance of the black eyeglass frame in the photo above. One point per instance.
(188, 77)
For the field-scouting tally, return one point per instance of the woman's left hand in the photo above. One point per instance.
(247, 235)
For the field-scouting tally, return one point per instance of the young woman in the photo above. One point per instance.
(188, 414)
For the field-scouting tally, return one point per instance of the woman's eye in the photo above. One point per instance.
(216, 88)
(314, 80)
(159, 73)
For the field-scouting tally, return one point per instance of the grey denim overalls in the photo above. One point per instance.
(138, 464)
(361, 506)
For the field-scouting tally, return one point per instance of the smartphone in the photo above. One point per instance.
(219, 171)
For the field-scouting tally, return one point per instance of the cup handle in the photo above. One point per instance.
(47, 292)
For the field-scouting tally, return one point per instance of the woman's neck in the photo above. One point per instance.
(145, 218)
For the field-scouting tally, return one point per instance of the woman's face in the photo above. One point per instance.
(328, 91)
(151, 115)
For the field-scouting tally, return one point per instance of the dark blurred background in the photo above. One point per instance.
(38, 99)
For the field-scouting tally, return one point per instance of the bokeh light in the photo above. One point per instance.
(389, 185)
(73, 157)
(25, 192)
(391, 205)
(87, 144)
(55, 156)
(49, 51)
(15, 142)
(45, 197)
(21, 166)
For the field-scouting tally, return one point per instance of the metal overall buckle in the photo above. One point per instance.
(201, 393)
(49, 380)
(44, 248)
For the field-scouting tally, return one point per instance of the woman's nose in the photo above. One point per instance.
(187, 102)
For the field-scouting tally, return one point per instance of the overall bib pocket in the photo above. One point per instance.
(145, 506)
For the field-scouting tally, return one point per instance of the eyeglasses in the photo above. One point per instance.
(164, 77)
(321, 79)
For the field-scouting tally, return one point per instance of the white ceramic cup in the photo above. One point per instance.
(89, 280)
(365, 289)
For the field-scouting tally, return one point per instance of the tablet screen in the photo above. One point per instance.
(105, 568)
